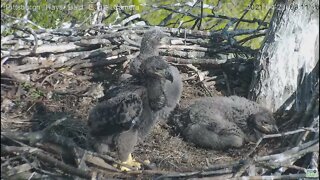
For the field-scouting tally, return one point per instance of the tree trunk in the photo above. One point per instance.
(287, 68)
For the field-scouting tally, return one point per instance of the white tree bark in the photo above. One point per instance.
(286, 67)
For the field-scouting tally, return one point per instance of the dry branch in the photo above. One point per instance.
(46, 159)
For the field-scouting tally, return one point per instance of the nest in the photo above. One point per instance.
(46, 97)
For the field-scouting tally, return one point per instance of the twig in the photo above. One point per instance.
(81, 63)
(227, 83)
(185, 47)
(201, 15)
(307, 116)
(212, 16)
(17, 76)
(291, 176)
(194, 61)
(195, 174)
(47, 159)
(242, 41)
(31, 31)
(243, 168)
(267, 136)
(47, 77)
(232, 165)
(291, 154)
(245, 12)
(131, 18)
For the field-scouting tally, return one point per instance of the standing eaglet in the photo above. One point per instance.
(224, 122)
(149, 47)
(120, 121)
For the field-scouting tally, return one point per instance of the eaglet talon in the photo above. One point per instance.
(130, 162)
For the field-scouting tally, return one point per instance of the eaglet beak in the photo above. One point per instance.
(165, 74)
(165, 38)
(168, 75)
(268, 129)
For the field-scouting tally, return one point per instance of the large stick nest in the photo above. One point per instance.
(51, 78)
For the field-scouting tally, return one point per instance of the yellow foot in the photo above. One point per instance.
(147, 162)
(131, 163)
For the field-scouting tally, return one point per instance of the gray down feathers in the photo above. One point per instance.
(233, 108)
(223, 122)
(173, 93)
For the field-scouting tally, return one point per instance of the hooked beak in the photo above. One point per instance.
(164, 40)
(168, 76)
(270, 129)
(165, 74)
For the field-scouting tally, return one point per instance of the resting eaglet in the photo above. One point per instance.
(128, 115)
(224, 122)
